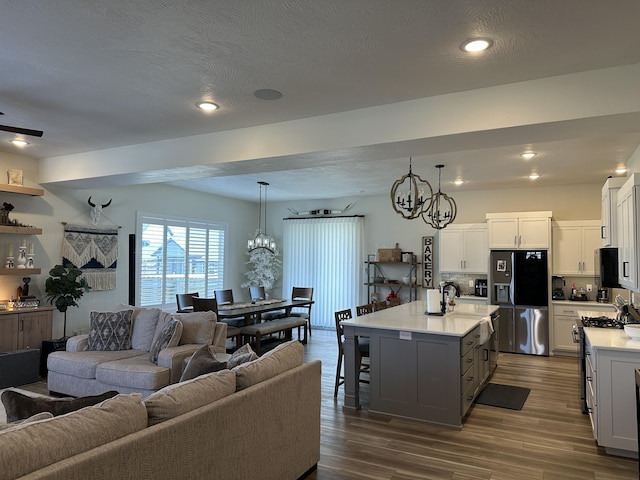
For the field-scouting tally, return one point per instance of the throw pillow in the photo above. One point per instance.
(34, 418)
(201, 362)
(179, 398)
(110, 331)
(169, 336)
(284, 357)
(242, 355)
(197, 327)
(145, 321)
(20, 406)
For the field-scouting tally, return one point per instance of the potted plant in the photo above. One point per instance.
(265, 270)
(64, 287)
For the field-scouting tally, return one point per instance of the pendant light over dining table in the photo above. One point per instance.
(262, 240)
(413, 197)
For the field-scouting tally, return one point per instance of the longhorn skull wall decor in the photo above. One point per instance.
(96, 210)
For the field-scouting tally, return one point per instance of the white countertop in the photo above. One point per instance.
(611, 339)
(410, 317)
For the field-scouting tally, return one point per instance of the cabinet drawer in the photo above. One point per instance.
(466, 362)
(467, 398)
(566, 310)
(469, 341)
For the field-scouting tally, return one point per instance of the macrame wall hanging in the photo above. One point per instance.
(94, 250)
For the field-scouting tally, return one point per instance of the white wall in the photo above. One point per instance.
(383, 226)
(65, 205)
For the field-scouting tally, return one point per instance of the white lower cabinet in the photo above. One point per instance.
(565, 316)
(611, 397)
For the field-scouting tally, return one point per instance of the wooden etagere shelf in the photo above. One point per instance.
(16, 272)
(34, 192)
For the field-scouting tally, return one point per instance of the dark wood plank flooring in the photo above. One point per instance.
(548, 439)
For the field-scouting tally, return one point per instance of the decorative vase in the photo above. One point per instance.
(21, 261)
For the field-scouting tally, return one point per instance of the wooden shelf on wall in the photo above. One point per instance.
(20, 230)
(34, 192)
(20, 272)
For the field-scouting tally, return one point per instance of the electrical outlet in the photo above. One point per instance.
(589, 287)
(471, 283)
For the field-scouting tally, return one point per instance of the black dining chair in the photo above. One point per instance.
(184, 302)
(363, 348)
(211, 305)
(225, 297)
(302, 293)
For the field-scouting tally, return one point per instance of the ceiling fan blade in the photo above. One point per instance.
(21, 131)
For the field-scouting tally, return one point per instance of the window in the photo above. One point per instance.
(326, 254)
(177, 255)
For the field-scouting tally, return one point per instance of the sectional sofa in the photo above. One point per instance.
(259, 420)
(130, 368)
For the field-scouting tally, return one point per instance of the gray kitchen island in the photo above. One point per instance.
(423, 367)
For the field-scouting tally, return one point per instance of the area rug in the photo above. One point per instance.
(503, 396)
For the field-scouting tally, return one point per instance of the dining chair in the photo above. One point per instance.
(210, 304)
(225, 297)
(363, 348)
(379, 305)
(300, 293)
(257, 293)
(184, 302)
(364, 309)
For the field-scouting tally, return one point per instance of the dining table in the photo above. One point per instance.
(252, 311)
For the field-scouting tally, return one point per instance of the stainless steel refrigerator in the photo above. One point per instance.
(519, 284)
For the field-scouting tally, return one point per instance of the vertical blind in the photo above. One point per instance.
(324, 253)
(178, 255)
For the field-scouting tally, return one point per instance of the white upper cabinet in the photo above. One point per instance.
(627, 228)
(464, 248)
(519, 230)
(609, 228)
(574, 244)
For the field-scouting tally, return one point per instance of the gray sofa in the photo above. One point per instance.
(78, 372)
(259, 420)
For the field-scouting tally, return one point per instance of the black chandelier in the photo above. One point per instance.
(413, 197)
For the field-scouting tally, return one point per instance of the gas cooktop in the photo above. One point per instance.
(603, 322)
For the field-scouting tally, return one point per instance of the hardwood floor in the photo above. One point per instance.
(548, 439)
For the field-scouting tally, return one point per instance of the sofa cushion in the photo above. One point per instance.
(84, 364)
(145, 321)
(109, 331)
(183, 397)
(32, 446)
(284, 357)
(20, 406)
(134, 373)
(242, 355)
(34, 418)
(201, 362)
(197, 327)
(169, 336)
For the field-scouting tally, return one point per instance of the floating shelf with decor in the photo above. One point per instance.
(376, 276)
(16, 272)
(19, 189)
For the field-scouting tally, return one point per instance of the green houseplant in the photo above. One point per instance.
(64, 287)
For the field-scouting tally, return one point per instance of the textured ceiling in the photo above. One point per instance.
(100, 74)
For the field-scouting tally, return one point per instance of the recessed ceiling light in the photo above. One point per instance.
(458, 181)
(207, 106)
(621, 170)
(19, 142)
(528, 155)
(534, 176)
(476, 45)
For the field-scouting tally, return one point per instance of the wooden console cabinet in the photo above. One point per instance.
(25, 328)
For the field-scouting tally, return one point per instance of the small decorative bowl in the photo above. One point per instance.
(378, 279)
(632, 330)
